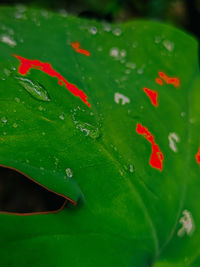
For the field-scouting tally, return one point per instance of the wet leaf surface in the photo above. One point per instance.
(137, 189)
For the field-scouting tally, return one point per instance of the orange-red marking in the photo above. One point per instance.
(76, 47)
(174, 80)
(153, 95)
(156, 159)
(27, 64)
(159, 81)
(197, 156)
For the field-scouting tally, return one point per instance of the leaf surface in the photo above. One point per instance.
(134, 185)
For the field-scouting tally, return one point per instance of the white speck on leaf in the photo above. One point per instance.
(168, 45)
(123, 53)
(124, 99)
(187, 224)
(114, 52)
(131, 168)
(173, 139)
(8, 40)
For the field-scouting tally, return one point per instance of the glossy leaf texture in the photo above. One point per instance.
(113, 123)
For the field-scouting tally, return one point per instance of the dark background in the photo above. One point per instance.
(19, 194)
(184, 14)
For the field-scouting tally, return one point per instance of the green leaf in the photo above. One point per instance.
(130, 212)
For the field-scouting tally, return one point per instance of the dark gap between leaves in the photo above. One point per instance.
(18, 194)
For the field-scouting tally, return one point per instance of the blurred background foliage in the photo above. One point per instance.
(184, 14)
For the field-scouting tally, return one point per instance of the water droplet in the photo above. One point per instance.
(88, 129)
(99, 48)
(10, 31)
(168, 45)
(135, 44)
(17, 99)
(140, 71)
(157, 39)
(7, 72)
(8, 40)
(121, 172)
(114, 52)
(4, 133)
(69, 172)
(41, 108)
(63, 13)
(117, 31)
(56, 161)
(34, 88)
(123, 53)
(183, 114)
(15, 125)
(19, 15)
(131, 65)
(93, 30)
(127, 71)
(107, 27)
(21, 8)
(131, 168)
(192, 120)
(45, 13)
(4, 119)
(62, 117)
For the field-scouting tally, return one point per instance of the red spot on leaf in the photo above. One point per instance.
(174, 81)
(153, 95)
(76, 47)
(159, 81)
(27, 64)
(156, 159)
(197, 156)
